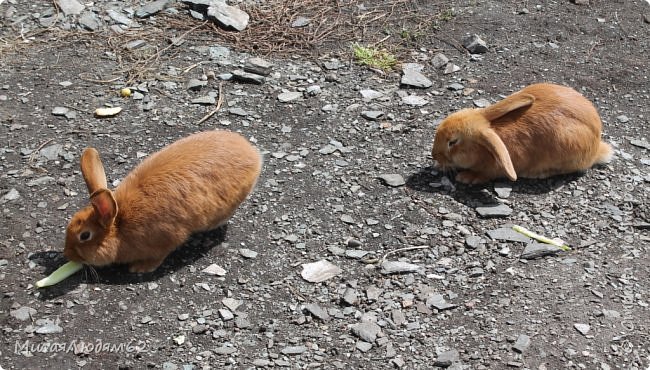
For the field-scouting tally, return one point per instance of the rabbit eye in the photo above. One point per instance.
(84, 236)
(452, 142)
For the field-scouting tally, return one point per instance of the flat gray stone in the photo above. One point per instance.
(40, 181)
(60, 111)
(438, 302)
(502, 190)
(135, 44)
(12, 194)
(247, 253)
(225, 314)
(538, 250)
(582, 328)
(49, 328)
(414, 100)
(228, 16)
(258, 66)
(196, 85)
(475, 45)
(500, 210)
(366, 331)
(260, 362)
(508, 234)
(640, 144)
(447, 358)
(231, 303)
(289, 96)
(313, 90)
(451, 68)
(238, 112)
(319, 271)
(476, 272)
(332, 64)
(169, 366)
(481, 103)
(356, 253)
(522, 343)
(392, 179)
(369, 94)
(52, 152)
(151, 8)
(219, 52)
(398, 317)
(300, 22)
(293, 350)
(472, 241)
(200, 329)
(623, 118)
(439, 60)
(611, 314)
(241, 75)
(242, 323)
(119, 17)
(318, 312)
(23, 313)
(398, 267)
(455, 86)
(214, 270)
(372, 115)
(225, 350)
(347, 219)
(70, 7)
(205, 100)
(88, 20)
(350, 297)
(363, 346)
(411, 76)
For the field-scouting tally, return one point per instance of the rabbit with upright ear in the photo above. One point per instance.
(537, 132)
(194, 184)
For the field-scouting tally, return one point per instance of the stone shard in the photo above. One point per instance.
(475, 45)
(366, 331)
(228, 16)
(70, 7)
(151, 8)
(537, 250)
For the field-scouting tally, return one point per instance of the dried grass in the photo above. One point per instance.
(334, 24)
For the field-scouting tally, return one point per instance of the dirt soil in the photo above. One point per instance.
(319, 196)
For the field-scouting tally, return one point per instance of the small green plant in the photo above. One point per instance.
(373, 57)
(447, 15)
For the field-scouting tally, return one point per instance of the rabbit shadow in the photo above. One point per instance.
(429, 180)
(196, 247)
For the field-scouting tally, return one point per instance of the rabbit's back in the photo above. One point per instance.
(194, 184)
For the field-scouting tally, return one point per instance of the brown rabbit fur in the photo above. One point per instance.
(194, 184)
(537, 132)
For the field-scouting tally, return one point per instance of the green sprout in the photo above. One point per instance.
(373, 57)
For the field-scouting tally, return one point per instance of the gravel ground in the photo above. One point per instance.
(347, 179)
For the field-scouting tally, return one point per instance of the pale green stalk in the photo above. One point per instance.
(541, 238)
(60, 274)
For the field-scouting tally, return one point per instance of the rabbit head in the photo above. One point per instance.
(88, 234)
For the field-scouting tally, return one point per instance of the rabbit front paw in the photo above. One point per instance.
(471, 177)
(144, 266)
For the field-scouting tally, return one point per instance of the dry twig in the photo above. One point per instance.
(218, 107)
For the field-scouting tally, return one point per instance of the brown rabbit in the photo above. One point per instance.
(540, 131)
(194, 184)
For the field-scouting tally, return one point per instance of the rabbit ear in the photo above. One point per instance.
(507, 105)
(93, 170)
(105, 206)
(495, 145)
